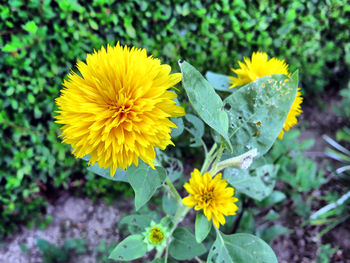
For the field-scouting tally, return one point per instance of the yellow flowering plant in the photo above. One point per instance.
(120, 112)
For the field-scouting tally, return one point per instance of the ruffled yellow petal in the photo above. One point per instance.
(117, 109)
(212, 195)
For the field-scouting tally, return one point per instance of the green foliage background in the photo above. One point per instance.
(41, 41)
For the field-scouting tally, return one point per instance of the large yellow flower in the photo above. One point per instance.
(211, 195)
(116, 110)
(259, 66)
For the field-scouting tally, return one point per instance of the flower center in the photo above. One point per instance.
(207, 197)
(157, 235)
(120, 111)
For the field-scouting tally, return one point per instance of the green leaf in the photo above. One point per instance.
(219, 81)
(240, 248)
(269, 233)
(9, 48)
(93, 24)
(175, 132)
(15, 44)
(184, 245)
(136, 223)
(204, 100)
(202, 227)
(50, 251)
(258, 110)
(145, 181)
(274, 198)
(173, 166)
(130, 248)
(258, 185)
(120, 175)
(271, 215)
(30, 27)
(77, 245)
(169, 205)
(197, 130)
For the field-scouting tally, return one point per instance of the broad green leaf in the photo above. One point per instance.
(274, 198)
(247, 222)
(145, 181)
(169, 205)
(120, 175)
(130, 248)
(202, 227)
(173, 166)
(15, 44)
(219, 81)
(204, 100)
(258, 185)
(30, 27)
(196, 129)
(271, 215)
(51, 250)
(184, 245)
(240, 248)
(93, 24)
(268, 233)
(343, 135)
(175, 132)
(136, 223)
(258, 110)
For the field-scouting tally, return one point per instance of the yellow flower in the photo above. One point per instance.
(259, 66)
(156, 236)
(117, 109)
(211, 195)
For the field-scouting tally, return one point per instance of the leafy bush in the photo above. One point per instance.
(54, 254)
(40, 41)
(344, 108)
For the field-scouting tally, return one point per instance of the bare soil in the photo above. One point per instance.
(73, 217)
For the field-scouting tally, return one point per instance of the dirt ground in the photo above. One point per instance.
(73, 217)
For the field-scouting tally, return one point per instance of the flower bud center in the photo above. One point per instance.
(157, 235)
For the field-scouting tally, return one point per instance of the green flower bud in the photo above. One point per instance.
(156, 236)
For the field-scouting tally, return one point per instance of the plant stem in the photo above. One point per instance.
(198, 259)
(209, 158)
(173, 190)
(217, 159)
(239, 218)
(166, 252)
(242, 161)
(179, 215)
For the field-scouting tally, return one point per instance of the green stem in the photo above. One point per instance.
(179, 216)
(217, 159)
(173, 190)
(166, 252)
(243, 162)
(198, 260)
(209, 158)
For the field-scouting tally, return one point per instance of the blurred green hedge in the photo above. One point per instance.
(41, 41)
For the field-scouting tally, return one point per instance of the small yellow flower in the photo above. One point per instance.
(117, 109)
(156, 236)
(259, 66)
(212, 195)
